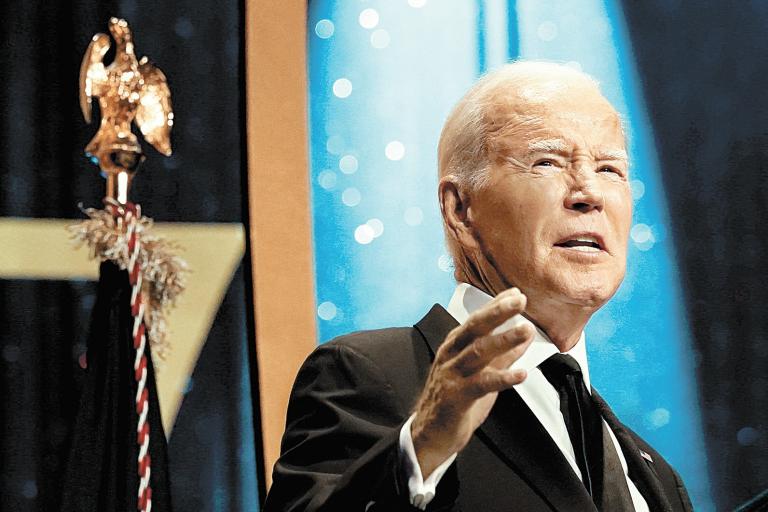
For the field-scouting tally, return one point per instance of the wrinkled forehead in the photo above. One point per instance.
(541, 110)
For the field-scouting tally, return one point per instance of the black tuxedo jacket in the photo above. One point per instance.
(340, 450)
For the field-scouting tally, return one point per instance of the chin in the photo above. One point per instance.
(589, 291)
(589, 299)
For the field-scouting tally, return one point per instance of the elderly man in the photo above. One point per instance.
(487, 405)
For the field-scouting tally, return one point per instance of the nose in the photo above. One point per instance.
(584, 194)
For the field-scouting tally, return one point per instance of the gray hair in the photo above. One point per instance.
(469, 132)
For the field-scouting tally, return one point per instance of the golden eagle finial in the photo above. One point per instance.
(128, 89)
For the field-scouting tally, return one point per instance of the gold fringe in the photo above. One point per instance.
(163, 273)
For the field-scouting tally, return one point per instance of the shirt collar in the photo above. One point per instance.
(467, 299)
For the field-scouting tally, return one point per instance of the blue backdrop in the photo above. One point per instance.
(383, 76)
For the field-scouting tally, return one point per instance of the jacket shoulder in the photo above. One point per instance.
(400, 355)
(379, 344)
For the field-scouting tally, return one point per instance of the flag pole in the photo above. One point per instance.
(130, 91)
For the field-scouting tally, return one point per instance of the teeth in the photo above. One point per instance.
(582, 241)
(584, 248)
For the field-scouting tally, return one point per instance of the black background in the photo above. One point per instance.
(704, 67)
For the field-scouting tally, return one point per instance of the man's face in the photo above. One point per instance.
(554, 218)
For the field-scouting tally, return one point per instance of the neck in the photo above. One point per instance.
(563, 323)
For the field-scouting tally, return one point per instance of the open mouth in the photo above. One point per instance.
(582, 243)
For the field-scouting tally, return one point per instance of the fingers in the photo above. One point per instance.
(471, 364)
(507, 346)
(508, 358)
(493, 380)
(483, 321)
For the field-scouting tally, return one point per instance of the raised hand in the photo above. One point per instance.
(470, 369)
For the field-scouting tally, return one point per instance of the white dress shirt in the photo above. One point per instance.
(536, 391)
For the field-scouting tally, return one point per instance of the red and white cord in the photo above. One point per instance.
(130, 214)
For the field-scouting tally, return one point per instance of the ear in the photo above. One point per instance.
(457, 215)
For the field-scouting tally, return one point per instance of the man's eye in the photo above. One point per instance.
(544, 163)
(612, 170)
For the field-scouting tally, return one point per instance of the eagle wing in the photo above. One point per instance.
(154, 115)
(93, 76)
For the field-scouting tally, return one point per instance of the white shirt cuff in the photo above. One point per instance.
(422, 492)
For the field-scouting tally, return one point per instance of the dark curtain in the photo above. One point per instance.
(44, 174)
(102, 470)
(704, 66)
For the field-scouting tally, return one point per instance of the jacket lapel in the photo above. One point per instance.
(641, 471)
(435, 326)
(514, 433)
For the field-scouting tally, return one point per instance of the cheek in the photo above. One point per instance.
(524, 219)
(619, 203)
(538, 198)
(506, 208)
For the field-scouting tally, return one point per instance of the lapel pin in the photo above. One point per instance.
(646, 456)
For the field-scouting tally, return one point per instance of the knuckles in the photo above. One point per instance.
(519, 332)
(484, 383)
(478, 347)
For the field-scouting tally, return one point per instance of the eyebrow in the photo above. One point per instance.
(613, 154)
(547, 146)
(559, 146)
